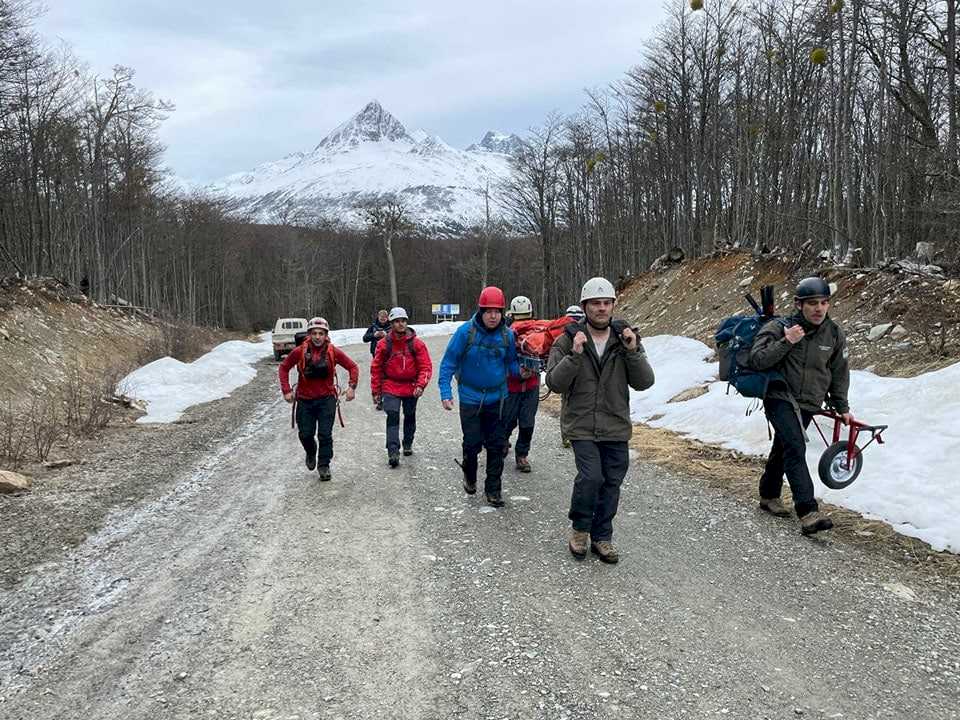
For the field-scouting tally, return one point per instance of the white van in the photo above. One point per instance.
(287, 334)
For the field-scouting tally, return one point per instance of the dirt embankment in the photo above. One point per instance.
(922, 312)
(57, 347)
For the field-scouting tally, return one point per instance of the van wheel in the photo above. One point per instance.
(276, 355)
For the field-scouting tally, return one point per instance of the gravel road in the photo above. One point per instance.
(241, 587)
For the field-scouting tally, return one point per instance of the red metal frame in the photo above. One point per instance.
(856, 427)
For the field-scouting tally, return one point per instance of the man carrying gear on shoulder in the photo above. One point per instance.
(810, 351)
(399, 373)
(594, 365)
(481, 354)
(316, 360)
(524, 396)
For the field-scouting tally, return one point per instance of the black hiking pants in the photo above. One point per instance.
(601, 467)
(484, 427)
(788, 454)
(315, 426)
(521, 411)
(391, 406)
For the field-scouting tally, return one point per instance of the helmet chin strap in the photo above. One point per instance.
(594, 325)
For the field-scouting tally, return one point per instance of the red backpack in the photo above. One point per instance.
(535, 337)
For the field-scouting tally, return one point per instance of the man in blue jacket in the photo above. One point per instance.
(481, 354)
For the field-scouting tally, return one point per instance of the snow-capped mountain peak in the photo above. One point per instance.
(372, 124)
(367, 159)
(498, 142)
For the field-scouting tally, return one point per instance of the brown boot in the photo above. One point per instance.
(774, 507)
(523, 465)
(605, 550)
(814, 522)
(578, 543)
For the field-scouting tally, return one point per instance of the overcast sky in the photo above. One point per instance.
(254, 80)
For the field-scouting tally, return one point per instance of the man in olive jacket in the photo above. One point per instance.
(593, 365)
(810, 352)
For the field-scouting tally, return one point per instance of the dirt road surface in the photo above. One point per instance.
(239, 586)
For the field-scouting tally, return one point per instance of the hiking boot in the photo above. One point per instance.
(311, 461)
(469, 478)
(496, 500)
(605, 550)
(774, 507)
(578, 543)
(393, 458)
(523, 465)
(407, 450)
(814, 522)
(324, 472)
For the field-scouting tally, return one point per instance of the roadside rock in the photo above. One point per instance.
(898, 332)
(746, 281)
(690, 394)
(56, 464)
(878, 331)
(11, 482)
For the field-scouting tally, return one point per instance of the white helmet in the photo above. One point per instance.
(397, 312)
(574, 311)
(521, 305)
(318, 322)
(597, 288)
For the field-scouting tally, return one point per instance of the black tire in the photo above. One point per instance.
(277, 355)
(832, 470)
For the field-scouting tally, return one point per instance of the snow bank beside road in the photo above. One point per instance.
(169, 387)
(909, 482)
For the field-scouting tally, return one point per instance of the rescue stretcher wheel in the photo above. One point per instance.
(835, 470)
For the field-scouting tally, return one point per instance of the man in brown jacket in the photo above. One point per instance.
(593, 365)
(810, 352)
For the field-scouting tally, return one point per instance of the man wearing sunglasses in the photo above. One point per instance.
(316, 360)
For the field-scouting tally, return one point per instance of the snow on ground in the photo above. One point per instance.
(169, 387)
(907, 482)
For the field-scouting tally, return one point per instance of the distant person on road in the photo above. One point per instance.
(481, 354)
(524, 396)
(594, 364)
(377, 330)
(399, 373)
(316, 360)
(810, 352)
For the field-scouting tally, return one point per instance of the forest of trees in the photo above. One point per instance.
(807, 125)
(800, 124)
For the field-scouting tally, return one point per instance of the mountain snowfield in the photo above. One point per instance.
(373, 156)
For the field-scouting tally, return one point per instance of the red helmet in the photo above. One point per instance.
(492, 297)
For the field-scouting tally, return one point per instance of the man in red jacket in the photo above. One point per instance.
(399, 373)
(316, 360)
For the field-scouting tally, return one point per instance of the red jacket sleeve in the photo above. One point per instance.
(424, 364)
(289, 362)
(344, 361)
(376, 369)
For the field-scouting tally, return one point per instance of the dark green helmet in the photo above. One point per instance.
(811, 288)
